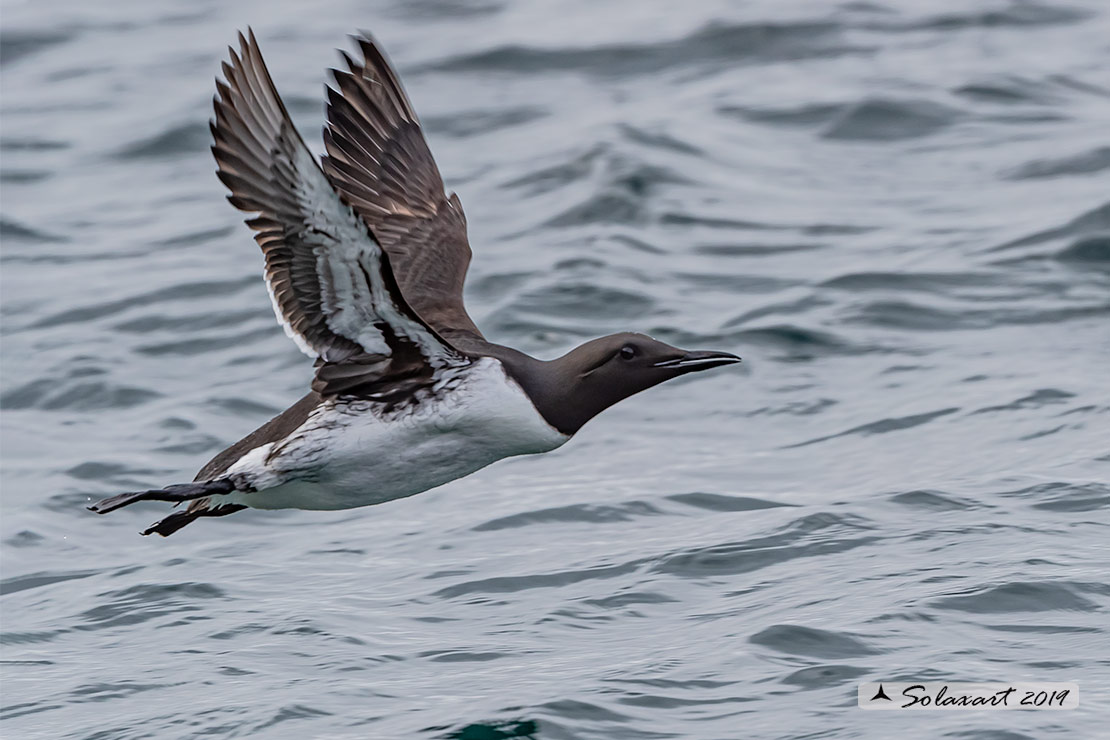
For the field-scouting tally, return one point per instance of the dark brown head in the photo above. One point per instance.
(587, 380)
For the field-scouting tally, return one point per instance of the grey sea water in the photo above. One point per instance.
(898, 212)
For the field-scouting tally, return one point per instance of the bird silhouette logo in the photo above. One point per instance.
(880, 694)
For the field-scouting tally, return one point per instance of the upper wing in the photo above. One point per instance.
(331, 282)
(379, 162)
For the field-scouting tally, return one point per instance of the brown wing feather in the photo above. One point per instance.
(379, 162)
(256, 149)
(331, 281)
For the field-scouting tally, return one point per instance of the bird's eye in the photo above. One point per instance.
(627, 352)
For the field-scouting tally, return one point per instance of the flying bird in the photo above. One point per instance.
(365, 258)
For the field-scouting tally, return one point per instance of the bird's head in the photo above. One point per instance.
(594, 376)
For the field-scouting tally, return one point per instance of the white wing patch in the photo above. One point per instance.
(290, 332)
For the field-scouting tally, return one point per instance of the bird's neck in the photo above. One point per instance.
(548, 384)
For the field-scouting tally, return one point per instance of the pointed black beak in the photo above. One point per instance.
(692, 361)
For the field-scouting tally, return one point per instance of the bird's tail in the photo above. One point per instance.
(197, 492)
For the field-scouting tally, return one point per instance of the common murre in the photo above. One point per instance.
(365, 261)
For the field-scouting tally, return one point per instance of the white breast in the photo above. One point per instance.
(348, 454)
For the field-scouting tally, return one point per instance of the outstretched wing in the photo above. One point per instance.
(330, 280)
(379, 162)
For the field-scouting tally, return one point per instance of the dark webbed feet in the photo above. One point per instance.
(175, 494)
(179, 519)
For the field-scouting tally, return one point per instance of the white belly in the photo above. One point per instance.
(346, 455)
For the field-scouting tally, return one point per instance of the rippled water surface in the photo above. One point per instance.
(897, 212)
